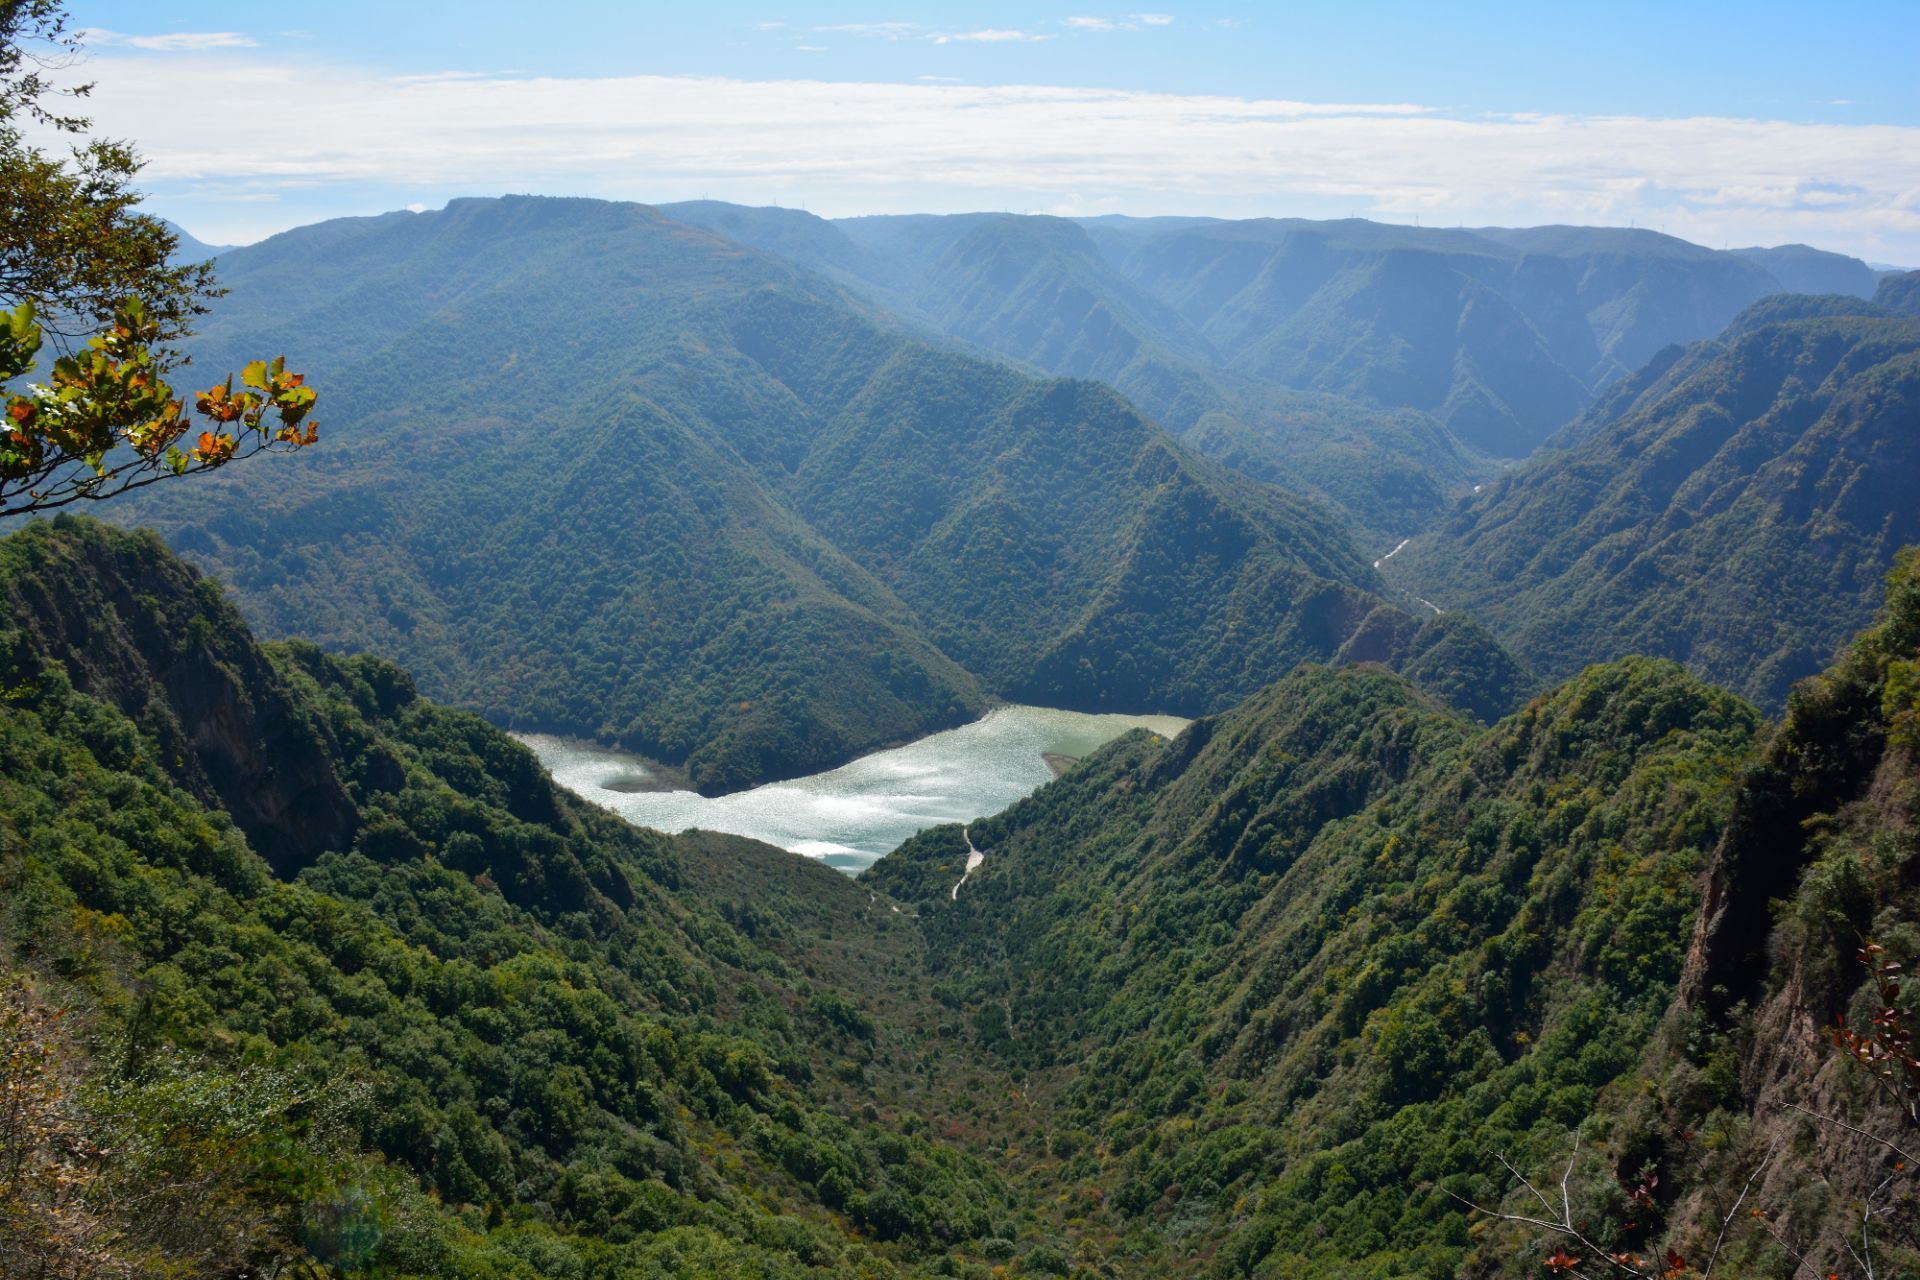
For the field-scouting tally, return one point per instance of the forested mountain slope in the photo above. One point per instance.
(1733, 507)
(1900, 292)
(1501, 333)
(1447, 323)
(1818, 860)
(1034, 289)
(1302, 978)
(1253, 1002)
(1375, 367)
(1324, 954)
(1763, 1129)
(1048, 292)
(1037, 289)
(1803, 269)
(1642, 290)
(347, 978)
(526, 500)
(597, 471)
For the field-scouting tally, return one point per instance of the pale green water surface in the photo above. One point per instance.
(851, 816)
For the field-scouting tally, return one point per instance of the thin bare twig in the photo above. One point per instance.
(1495, 1213)
(1842, 1124)
(1800, 1259)
(1564, 1227)
(1508, 1166)
(1864, 1265)
(1566, 1205)
(76, 488)
(1728, 1220)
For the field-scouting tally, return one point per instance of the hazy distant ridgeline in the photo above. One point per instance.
(601, 472)
(1900, 291)
(1258, 1001)
(1733, 505)
(1377, 367)
(975, 746)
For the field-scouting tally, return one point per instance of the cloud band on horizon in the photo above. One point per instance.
(285, 131)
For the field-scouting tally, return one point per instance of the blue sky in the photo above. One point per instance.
(1747, 123)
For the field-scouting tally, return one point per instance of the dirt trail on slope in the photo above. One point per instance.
(974, 859)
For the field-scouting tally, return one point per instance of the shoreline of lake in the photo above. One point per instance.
(851, 816)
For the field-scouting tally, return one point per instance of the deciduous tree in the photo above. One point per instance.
(89, 280)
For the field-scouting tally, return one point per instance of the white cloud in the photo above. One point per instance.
(990, 35)
(875, 30)
(1132, 22)
(811, 48)
(939, 35)
(935, 146)
(176, 42)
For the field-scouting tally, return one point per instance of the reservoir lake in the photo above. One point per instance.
(852, 816)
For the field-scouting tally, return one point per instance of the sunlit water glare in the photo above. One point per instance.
(851, 816)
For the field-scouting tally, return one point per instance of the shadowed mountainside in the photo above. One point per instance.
(1375, 367)
(596, 471)
(1733, 506)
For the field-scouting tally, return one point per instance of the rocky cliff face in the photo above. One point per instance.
(1746, 1093)
(143, 631)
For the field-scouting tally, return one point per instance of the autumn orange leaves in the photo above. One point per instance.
(107, 420)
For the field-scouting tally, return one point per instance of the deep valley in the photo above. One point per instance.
(731, 742)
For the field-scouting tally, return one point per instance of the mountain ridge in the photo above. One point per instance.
(1431, 348)
(722, 438)
(1768, 465)
(1268, 996)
